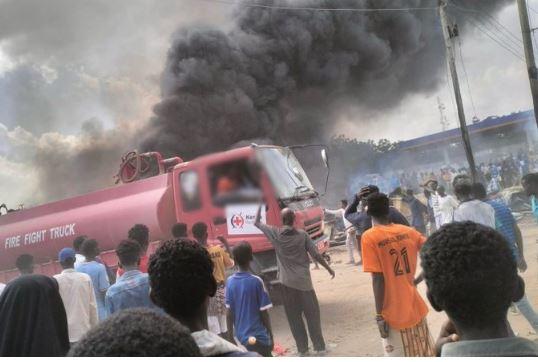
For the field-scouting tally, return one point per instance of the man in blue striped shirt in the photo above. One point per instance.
(506, 224)
(132, 288)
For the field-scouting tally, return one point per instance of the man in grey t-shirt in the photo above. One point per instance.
(292, 247)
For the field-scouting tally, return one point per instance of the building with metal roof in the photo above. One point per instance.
(492, 138)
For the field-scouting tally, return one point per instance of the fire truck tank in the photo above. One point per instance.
(104, 215)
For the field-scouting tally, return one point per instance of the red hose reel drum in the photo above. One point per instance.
(135, 166)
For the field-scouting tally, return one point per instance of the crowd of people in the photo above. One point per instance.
(469, 235)
(170, 304)
(495, 174)
(180, 302)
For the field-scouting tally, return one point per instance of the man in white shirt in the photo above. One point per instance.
(78, 296)
(447, 205)
(471, 209)
(77, 243)
(349, 229)
(433, 201)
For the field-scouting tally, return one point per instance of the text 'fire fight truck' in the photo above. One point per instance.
(221, 189)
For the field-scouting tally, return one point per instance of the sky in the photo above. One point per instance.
(73, 74)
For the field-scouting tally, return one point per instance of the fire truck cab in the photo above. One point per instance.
(223, 190)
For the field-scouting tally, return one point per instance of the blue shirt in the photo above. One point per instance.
(130, 291)
(505, 223)
(534, 206)
(97, 273)
(499, 347)
(362, 221)
(246, 297)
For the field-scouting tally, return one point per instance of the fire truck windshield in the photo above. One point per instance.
(286, 173)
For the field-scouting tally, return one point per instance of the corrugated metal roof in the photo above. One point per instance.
(486, 124)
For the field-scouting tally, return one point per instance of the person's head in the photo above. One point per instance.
(128, 252)
(199, 231)
(179, 230)
(33, 321)
(432, 184)
(137, 333)
(367, 191)
(343, 203)
(90, 249)
(463, 187)
(288, 217)
(471, 274)
(479, 191)
(441, 190)
(530, 184)
(67, 258)
(181, 279)
(378, 206)
(77, 243)
(242, 254)
(25, 264)
(140, 234)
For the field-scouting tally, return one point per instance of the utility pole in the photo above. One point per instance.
(450, 32)
(529, 53)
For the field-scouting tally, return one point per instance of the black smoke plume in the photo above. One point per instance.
(287, 75)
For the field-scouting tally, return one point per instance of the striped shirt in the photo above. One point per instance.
(505, 223)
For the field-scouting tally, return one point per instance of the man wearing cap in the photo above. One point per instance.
(77, 294)
(356, 214)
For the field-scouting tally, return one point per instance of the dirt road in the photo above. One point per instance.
(347, 305)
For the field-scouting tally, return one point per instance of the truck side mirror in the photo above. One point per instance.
(324, 157)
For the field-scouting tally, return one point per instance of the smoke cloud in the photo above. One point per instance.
(77, 79)
(71, 165)
(257, 74)
(288, 75)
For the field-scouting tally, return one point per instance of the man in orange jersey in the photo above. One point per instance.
(389, 253)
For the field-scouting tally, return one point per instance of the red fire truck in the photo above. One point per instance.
(222, 189)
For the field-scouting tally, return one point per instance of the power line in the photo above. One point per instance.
(281, 7)
(506, 41)
(451, 93)
(466, 77)
(492, 20)
(500, 42)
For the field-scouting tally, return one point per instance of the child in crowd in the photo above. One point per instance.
(247, 302)
(471, 274)
(97, 272)
(182, 282)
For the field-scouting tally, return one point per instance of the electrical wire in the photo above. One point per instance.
(466, 77)
(492, 20)
(281, 7)
(531, 8)
(502, 44)
(451, 94)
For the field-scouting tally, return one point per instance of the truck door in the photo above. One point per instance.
(189, 198)
(235, 192)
